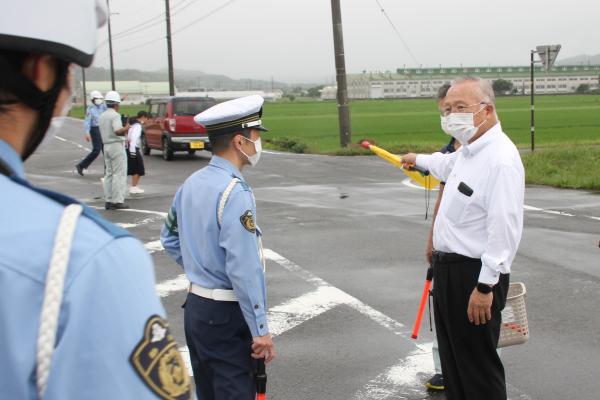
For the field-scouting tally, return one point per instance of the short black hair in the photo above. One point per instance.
(141, 114)
(221, 142)
(111, 104)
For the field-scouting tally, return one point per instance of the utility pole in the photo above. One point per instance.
(110, 49)
(84, 91)
(340, 67)
(169, 49)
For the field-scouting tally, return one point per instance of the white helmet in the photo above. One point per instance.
(66, 29)
(95, 94)
(112, 97)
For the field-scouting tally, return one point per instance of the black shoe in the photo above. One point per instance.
(436, 383)
(119, 206)
(79, 169)
(107, 205)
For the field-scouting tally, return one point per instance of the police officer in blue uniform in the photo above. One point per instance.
(111, 338)
(211, 231)
(92, 131)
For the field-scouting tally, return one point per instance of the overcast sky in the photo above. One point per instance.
(292, 40)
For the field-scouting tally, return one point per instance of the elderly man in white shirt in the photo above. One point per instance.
(476, 235)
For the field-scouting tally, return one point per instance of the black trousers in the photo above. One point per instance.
(220, 345)
(96, 147)
(471, 366)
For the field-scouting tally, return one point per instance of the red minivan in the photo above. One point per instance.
(171, 127)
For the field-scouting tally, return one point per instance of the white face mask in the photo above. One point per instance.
(97, 101)
(56, 123)
(253, 159)
(461, 126)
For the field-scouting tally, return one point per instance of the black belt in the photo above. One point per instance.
(452, 258)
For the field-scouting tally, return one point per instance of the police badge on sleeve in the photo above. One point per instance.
(247, 220)
(158, 362)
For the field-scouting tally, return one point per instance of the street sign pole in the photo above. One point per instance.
(547, 56)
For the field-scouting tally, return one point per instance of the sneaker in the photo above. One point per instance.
(79, 169)
(119, 206)
(435, 383)
(136, 190)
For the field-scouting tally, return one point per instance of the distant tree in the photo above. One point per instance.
(291, 97)
(315, 91)
(583, 88)
(502, 86)
(514, 91)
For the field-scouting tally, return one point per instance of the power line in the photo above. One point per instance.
(397, 32)
(205, 16)
(154, 40)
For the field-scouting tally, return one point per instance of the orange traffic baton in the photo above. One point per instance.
(424, 297)
(261, 380)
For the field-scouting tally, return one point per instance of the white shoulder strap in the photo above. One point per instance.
(53, 294)
(222, 203)
(224, 198)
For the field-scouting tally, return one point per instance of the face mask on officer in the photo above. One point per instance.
(253, 159)
(97, 102)
(57, 121)
(461, 125)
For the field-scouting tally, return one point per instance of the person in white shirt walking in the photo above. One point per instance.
(135, 161)
(476, 235)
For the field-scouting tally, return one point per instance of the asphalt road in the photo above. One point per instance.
(345, 269)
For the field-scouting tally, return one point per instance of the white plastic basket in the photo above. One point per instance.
(514, 329)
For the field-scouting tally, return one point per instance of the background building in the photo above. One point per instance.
(424, 82)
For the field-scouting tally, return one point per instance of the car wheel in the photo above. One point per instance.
(167, 151)
(145, 147)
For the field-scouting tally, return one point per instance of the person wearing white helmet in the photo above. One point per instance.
(114, 136)
(79, 313)
(92, 132)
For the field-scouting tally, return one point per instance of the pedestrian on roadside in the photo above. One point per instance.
(135, 161)
(211, 232)
(92, 132)
(79, 313)
(115, 158)
(476, 236)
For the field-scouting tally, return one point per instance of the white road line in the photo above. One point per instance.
(294, 312)
(178, 284)
(126, 226)
(376, 316)
(409, 182)
(154, 246)
(162, 214)
(407, 374)
(72, 142)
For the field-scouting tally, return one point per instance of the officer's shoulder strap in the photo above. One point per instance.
(224, 198)
(111, 229)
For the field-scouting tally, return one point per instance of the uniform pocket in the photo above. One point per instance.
(212, 312)
(457, 207)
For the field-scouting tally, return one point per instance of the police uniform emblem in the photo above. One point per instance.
(247, 220)
(158, 362)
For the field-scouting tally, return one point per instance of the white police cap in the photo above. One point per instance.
(233, 116)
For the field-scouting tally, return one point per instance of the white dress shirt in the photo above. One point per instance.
(489, 223)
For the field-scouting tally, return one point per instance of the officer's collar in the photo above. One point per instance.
(9, 156)
(481, 142)
(224, 164)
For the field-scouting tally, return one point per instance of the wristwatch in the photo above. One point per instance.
(484, 288)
